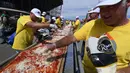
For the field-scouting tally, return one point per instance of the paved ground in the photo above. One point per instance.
(5, 51)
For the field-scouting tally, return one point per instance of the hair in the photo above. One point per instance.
(124, 2)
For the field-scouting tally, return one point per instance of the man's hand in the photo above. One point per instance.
(53, 26)
(50, 47)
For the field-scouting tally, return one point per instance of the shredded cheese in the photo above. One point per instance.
(22, 65)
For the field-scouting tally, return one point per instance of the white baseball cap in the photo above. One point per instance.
(61, 17)
(36, 12)
(96, 10)
(43, 13)
(107, 2)
(54, 18)
(77, 17)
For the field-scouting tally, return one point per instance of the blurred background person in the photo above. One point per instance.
(59, 21)
(92, 14)
(77, 23)
(4, 24)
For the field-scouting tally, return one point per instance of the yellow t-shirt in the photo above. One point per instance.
(73, 23)
(76, 25)
(58, 22)
(25, 34)
(120, 34)
(67, 22)
(43, 19)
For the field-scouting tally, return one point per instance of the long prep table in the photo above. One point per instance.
(70, 63)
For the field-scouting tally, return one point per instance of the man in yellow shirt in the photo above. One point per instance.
(113, 21)
(26, 27)
(58, 21)
(67, 22)
(43, 17)
(93, 14)
(76, 24)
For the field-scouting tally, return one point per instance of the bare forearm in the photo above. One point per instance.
(37, 25)
(65, 41)
(124, 70)
(41, 25)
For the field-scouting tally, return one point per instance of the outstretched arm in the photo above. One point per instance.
(37, 25)
(124, 70)
(65, 41)
(61, 43)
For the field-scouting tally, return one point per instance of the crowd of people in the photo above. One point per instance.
(27, 26)
(108, 17)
